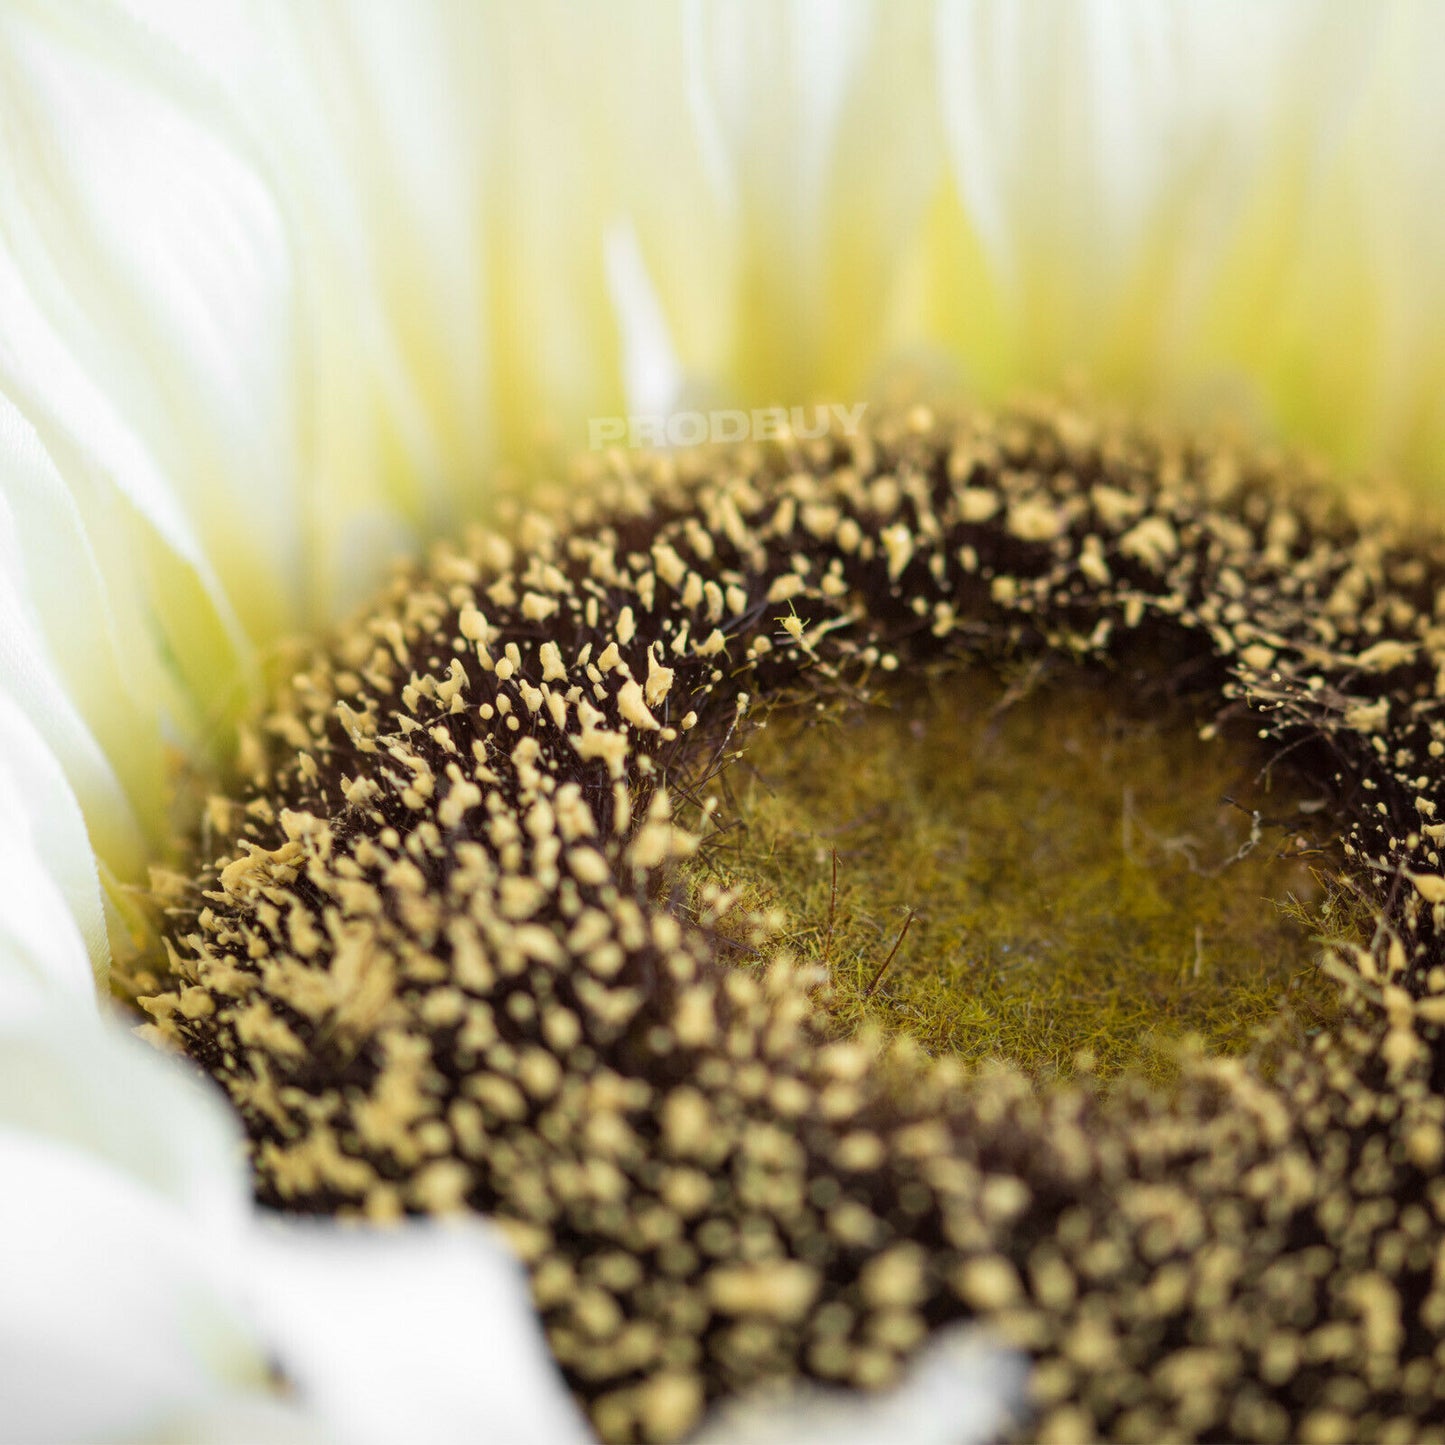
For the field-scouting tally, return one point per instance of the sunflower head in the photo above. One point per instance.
(439, 961)
(468, 929)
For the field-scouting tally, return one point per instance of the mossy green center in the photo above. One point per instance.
(1083, 882)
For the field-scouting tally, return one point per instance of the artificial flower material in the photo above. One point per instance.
(432, 954)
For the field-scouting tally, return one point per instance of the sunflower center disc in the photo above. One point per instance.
(1080, 878)
(430, 950)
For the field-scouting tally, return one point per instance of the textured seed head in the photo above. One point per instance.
(430, 953)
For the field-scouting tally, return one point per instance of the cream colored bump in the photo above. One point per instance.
(670, 567)
(537, 607)
(976, 504)
(1036, 520)
(687, 1121)
(1153, 542)
(1368, 717)
(1430, 886)
(898, 544)
(588, 866)
(781, 1289)
(895, 1278)
(453, 685)
(695, 1021)
(656, 842)
(1385, 655)
(633, 708)
(987, 1283)
(503, 592)
(793, 625)
(461, 798)
(659, 680)
(472, 624)
(1091, 561)
(786, 586)
(1116, 507)
(574, 817)
(602, 743)
(849, 536)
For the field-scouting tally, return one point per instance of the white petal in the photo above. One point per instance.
(241, 1419)
(367, 121)
(122, 1224)
(451, 176)
(1347, 309)
(63, 664)
(157, 278)
(142, 1295)
(423, 1333)
(81, 1081)
(652, 376)
(52, 927)
(960, 1390)
(1098, 145)
(111, 1318)
(1230, 203)
(820, 121)
(149, 448)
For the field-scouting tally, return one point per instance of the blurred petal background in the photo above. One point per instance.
(284, 289)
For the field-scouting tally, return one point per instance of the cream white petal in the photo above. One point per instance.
(81, 1082)
(367, 124)
(455, 173)
(63, 632)
(52, 921)
(819, 123)
(652, 378)
(424, 1333)
(149, 461)
(241, 1419)
(460, 179)
(1103, 154)
(1202, 205)
(110, 1318)
(452, 177)
(123, 1210)
(1354, 353)
(153, 333)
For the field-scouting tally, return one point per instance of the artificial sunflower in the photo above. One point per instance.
(281, 296)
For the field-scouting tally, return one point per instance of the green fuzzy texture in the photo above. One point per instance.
(1068, 868)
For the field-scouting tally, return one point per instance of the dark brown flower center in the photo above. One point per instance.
(431, 952)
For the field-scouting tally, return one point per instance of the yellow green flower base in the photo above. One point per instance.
(1082, 878)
